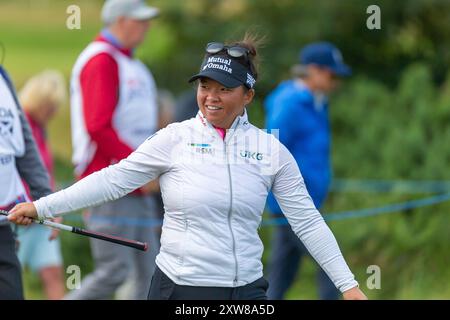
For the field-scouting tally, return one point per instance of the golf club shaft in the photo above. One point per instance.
(125, 242)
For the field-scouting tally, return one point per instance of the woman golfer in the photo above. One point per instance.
(215, 171)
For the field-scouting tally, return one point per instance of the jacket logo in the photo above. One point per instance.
(250, 80)
(203, 148)
(251, 155)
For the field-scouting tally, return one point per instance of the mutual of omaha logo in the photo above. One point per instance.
(203, 148)
(219, 63)
(251, 155)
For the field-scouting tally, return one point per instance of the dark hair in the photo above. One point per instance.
(251, 42)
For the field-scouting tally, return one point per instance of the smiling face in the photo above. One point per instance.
(221, 105)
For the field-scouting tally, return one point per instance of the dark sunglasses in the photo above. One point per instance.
(232, 51)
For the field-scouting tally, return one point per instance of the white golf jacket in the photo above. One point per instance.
(214, 193)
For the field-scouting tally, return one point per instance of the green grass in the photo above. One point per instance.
(35, 38)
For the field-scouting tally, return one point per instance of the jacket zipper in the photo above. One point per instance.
(235, 280)
(229, 218)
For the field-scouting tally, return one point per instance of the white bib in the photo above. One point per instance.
(12, 145)
(136, 115)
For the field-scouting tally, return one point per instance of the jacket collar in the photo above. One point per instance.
(241, 122)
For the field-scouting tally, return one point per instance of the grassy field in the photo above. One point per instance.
(35, 38)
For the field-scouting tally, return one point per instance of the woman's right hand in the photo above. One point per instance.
(23, 213)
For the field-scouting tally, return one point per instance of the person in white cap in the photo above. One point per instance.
(113, 110)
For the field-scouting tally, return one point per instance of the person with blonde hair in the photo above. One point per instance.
(42, 96)
(39, 249)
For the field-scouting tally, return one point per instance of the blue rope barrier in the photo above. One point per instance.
(397, 186)
(392, 208)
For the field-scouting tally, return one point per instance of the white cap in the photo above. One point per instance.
(136, 9)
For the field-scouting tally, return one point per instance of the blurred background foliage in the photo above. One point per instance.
(389, 121)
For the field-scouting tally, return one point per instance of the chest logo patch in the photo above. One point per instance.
(202, 148)
(251, 155)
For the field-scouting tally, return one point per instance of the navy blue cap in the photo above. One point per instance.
(326, 55)
(225, 70)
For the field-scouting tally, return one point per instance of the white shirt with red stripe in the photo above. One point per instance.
(114, 131)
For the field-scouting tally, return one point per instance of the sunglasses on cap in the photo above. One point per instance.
(233, 51)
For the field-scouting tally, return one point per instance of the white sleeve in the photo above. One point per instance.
(307, 223)
(150, 160)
